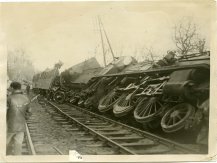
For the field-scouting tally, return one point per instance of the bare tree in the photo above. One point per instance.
(200, 45)
(19, 65)
(184, 35)
(187, 39)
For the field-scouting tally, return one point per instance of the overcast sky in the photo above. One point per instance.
(49, 32)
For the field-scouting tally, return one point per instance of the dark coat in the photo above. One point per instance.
(18, 107)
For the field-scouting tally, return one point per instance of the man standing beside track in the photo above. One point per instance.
(27, 89)
(17, 111)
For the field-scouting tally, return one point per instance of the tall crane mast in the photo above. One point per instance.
(102, 41)
(102, 30)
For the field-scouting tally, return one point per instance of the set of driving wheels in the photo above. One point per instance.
(171, 119)
(148, 111)
(121, 104)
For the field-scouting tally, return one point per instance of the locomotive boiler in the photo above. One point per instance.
(170, 94)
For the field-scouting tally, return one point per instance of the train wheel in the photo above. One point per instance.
(124, 105)
(108, 101)
(176, 118)
(59, 97)
(148, 109)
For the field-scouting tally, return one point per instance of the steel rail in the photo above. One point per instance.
(102, 137)
(58, 150)
(29, 142)
(155, 138)
(30, 145)
(151, 136)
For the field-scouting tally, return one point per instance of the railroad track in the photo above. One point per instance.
(123, 139)
(33, 141)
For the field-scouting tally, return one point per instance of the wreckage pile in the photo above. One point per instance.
(172, 93)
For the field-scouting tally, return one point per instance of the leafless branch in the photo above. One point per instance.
(185, 37)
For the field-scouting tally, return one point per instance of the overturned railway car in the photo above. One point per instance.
(77, 83)
(74, 79)
(44, 81)
(73, 84)
(97, 87)
(174, 96)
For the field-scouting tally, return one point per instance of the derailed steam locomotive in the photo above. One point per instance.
(172, 93)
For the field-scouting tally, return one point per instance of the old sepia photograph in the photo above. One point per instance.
(108, 78)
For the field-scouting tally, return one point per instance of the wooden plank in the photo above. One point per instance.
(68, 125)
(79, 119)
(95, 123)
(95, 145)
(106, 129)
(59, 118)
(126, 138)
(98, 126)
(137, 144)
(85, 139)
(114, 133)
(72, 129)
